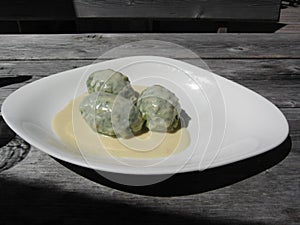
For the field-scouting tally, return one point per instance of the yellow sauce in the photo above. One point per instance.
(74, 132)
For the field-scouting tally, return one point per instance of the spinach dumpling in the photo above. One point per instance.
(160, 108)
(112, 82)
(111, 115)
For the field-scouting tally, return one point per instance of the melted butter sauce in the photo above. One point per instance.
(74, 132)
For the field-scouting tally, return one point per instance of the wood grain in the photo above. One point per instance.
(13, 153)
(235, 69)
(292, 115)
(283, 93)
(290, 15)
(290, 18)
(55, 192)
(206, 46)
(267, 10)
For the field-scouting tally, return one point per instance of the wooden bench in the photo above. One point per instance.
(134, 15)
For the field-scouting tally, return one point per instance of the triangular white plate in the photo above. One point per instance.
(228, 122)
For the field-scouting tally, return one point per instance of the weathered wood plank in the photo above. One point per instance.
(197, 9)
(290, 17)
(283, 93)
(13, 152)
(290, 29)
(296, 142)
(262, 69)
(92, 46)
(292, 115)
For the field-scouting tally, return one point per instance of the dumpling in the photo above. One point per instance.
(112, 82)
(111, 115)
(160, 108)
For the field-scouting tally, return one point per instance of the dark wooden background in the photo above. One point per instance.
(69, 16)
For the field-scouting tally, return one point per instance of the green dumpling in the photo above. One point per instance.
(111, 115)
(160, 108)
(112, 82)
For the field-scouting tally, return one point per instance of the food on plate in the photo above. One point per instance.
(111, 96)
(112, 82)
(71, 128)
(91, 122)
(111, 114)
(160, 108)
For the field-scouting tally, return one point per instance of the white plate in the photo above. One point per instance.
(228, 121)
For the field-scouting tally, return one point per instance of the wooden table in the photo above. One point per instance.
(40, 190)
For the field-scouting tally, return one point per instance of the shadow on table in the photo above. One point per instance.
(196, 182)
(35, 204)
(25, 203)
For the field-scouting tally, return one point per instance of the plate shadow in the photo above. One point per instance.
(195, 182)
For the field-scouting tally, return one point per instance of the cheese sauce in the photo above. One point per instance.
(74, 132)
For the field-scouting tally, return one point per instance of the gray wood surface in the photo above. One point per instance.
(206, 46)
(236, 69)
(267, 10)
(290, 18)
(39, 190)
